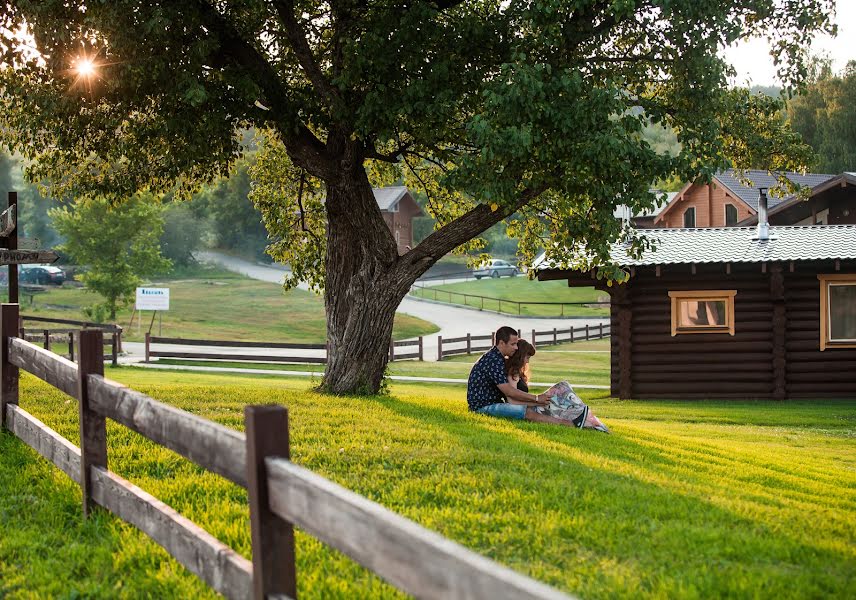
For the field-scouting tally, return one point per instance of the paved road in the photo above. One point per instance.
(452, 321)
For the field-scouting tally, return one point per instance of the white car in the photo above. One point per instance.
(496, 268)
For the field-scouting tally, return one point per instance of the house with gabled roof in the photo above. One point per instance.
(832, 202)
(732, 312)
(728, 200)
(398, 209)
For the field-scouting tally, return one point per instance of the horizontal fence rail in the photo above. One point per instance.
(50, 335)
(281, 494)
(389, 544)
(478, 301)
(400, 350)
(470, 344)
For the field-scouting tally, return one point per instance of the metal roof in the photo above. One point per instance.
(388, 197)
(736, 245)
(845, 178)
(758, 179)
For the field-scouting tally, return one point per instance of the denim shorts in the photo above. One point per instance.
(505, 410)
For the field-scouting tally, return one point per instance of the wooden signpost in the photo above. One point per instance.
(9, 252)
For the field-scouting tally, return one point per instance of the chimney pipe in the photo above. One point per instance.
(763, 231)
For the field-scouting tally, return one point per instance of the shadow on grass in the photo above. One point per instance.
(675, 520)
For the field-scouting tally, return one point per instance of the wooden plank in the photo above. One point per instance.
(8, 370)
(8, 220)
(240, 357)
(44, 440)
(93, 427)
(208, 444)
(236, 344)
(216, 564)
(55, 370)
(272, 537)
(90, 324)
(415, 560)
(27, 257)
(407, 343)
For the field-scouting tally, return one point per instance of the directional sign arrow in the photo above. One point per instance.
(27, 257)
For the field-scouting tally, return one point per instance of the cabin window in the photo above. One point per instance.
(689, 217)
(730, 215)
(837, 311)
(703, 311)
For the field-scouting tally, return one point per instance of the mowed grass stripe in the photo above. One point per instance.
(637, 513)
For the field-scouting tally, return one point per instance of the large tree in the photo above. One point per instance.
(495, 107)
(825, 114)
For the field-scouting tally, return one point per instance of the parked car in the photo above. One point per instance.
(41, 275)
(496, 268)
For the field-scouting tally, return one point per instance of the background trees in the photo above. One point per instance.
(491, 107)
(824, 113)
(118, 243)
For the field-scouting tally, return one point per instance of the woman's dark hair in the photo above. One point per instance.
(515, 365)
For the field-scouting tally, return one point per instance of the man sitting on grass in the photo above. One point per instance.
(489, 391)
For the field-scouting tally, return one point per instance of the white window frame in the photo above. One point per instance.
(826, 341)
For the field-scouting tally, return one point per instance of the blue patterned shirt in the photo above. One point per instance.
(486, 375)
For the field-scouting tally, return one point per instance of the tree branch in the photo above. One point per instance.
(461, 230)
(297, 38)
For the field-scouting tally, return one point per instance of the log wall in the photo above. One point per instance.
(775, 352)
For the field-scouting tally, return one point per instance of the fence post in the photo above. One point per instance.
(518, 309)
(115, 350)
(8, 371)
(71, 346)
(469, 343)
(587, 332)
(20, 327)
(571, 331)
(119, 330)
(555, 336)
(533, 338)
(274, 572)
(600, 330)
(148, 344)
(47, 334)
(93, 430)
(439, 347)
(421, 349)
(391, 350)
(492, 339)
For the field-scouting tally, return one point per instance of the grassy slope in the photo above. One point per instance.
(519, 289)
(580, 362)
(220, 305)
(684, 500)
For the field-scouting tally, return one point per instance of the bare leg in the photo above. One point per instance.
(532, 415)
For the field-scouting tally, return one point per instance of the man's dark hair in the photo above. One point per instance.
(503, 334)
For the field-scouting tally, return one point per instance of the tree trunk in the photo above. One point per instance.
(363, 288)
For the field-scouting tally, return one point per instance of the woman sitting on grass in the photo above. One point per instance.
(564, 402)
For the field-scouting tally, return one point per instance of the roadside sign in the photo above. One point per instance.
(8, 220)
(25, 243)
(152, 298)
(27, 257)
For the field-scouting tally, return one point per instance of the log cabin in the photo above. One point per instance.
(764, 312)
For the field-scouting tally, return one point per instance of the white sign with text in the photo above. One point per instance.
(152, 298)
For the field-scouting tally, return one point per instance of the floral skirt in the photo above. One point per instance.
(567, 406)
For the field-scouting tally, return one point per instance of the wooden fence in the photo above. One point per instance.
(397, 350)
(512, 307)
(281, 494)
(479, 343)
(48, 335)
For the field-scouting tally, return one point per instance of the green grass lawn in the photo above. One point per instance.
(685, 499)
(216, 304)
(579, 363)
(503, 295)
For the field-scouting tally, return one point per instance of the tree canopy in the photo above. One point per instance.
(824, 113)
(492, 107)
